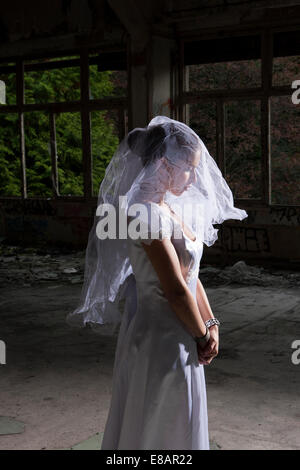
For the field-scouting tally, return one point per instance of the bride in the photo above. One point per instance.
(145, 283)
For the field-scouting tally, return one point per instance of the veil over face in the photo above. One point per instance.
(165, 162)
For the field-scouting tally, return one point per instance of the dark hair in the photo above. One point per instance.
(147, 143)
(188, 143)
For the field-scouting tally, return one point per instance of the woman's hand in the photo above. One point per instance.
(211, 349)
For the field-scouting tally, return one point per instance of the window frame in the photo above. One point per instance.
(262, 93)
(84, 105)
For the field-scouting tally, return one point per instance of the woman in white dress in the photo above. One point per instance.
(146, 282)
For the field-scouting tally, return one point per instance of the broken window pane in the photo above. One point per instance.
(106, 78)
(243, 148)
(201, 117)
(285, 70)
(107, 83)
(285, 151)
(224, 75)
(10, 162)
(69, 154)
(53, 85)
(105, 140)
(37, 154)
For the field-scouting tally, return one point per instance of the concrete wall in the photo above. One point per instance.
(268, 237)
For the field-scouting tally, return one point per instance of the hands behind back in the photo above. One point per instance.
(207, 353)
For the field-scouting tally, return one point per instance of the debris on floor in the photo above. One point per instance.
(28, 266)
(58, 380)
(242, 273)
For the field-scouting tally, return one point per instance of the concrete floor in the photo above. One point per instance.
(56, 383)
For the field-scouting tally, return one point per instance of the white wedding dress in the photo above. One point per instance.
(158, 391)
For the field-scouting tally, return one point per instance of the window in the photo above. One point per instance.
(243, 148)
(10, 166)
(285, 150)
(202, 119)
(58, 80)
(227, 97)
(105, 126)
(59, 132)
(38, 154)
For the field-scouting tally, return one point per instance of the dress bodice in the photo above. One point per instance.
(189, 252)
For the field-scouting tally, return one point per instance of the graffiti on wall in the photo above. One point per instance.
(246, 239)
(29, 207)
(285, 215)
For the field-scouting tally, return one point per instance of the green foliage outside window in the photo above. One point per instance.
(56, 85)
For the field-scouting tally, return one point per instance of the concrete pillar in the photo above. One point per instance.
(160, 82)
(138, 83)
(150, 80)
(149, 63)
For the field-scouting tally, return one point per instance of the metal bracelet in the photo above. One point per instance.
(211, 322)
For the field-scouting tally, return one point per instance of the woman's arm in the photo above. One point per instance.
(164, 259)
(212, 348)
(202, 302)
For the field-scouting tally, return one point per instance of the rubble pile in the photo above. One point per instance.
(242, 273)
(28, 266)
